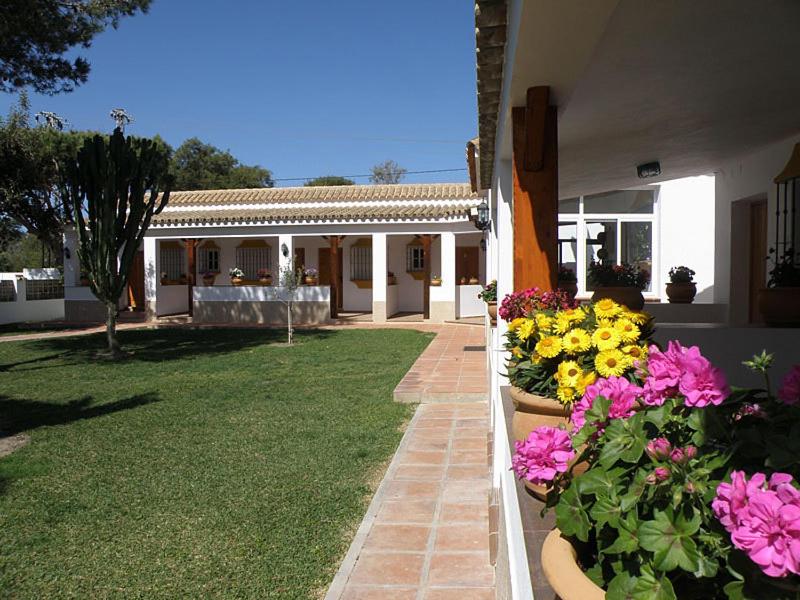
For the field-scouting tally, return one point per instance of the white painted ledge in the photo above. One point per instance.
(260, 293)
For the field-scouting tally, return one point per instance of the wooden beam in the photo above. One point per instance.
(333, 255)
(537, 105)
(535, 204)
(191, 253)
(426, 282)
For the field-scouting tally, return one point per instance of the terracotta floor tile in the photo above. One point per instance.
(473, 443)
(468, 457)
(388, 568)
(486, 593)
(422, 445)
(462, 569)
(468, 472)
(462, 537)
(465, 491)
(406, 511)
(464, 512)
(410, 538)
(360, 592)
(412, 490)
(430, 457)
(420, 472)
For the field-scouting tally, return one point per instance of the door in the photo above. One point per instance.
(136, 282)
(324, 262)
(758, 263)
(466, 263)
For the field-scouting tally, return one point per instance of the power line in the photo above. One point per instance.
(370, 175)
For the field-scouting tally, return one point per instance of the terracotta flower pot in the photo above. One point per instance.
(436, 282)
(473, 281)
(492, 308)
(627, 296)
(780, 306)
(311, 280)
(265, 280)
(84, 281)
(208, 281)
(681, 293)
(392, 280)
(237, 281)
(571, 287)
(560, 566)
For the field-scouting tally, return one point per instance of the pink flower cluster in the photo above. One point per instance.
(789, 392)
(545, 453)
(661, 449)
(620, 391)
(763, 518)
(521, 304)
(685, 371)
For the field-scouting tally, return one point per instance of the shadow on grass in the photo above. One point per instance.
(18, 415)
(156, 345)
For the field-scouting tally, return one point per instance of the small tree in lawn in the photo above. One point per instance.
(114, 185)
(290, 280)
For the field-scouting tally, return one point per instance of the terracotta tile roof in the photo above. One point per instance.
(354, 202)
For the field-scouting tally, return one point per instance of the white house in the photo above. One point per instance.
(378, 250)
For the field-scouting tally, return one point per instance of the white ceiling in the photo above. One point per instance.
(689, 83)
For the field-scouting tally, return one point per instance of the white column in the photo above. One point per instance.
(379, 278)
(72, 267)
(285, 254)
(151, 277)
(443, 298)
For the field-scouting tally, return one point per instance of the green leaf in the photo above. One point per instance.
(597, 481)
(626, 441)
(735, 590)
(571, 516)
(669, 538)
(621, 587)
(650, 586)
(627, 540)
(658, 415)
(606, 510)
(635, 491)
(599, 410)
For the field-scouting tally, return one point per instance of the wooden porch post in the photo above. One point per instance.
(334, 270)
(426, 284)
(535, 180)
(191, 252)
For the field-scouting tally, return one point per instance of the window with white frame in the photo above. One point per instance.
(208, 258)
(253, 256)
(617, 227)
(415, 259)
(361, 261)
(172, 260)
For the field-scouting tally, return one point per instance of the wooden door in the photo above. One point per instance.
(324, 262)
(758, 253)
(136, 282)
(467, 262)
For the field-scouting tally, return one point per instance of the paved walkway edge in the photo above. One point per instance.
(342, 576)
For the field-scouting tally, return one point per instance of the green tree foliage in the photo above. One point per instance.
(200, 166)
(116, 186)
(36, 34)
(24, 251)
(387, 172)
(329, 180)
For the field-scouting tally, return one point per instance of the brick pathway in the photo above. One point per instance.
(426, 533)
(451, 369)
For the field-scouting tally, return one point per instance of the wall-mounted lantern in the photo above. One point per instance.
(482, 221)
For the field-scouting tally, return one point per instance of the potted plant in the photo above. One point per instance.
(568, 281)
(779, 302)
(164, 279)
(84, 279)
(489, 295)
(474, 281)
(208, 277)
(391, 278)
(264, 277)
(436, 281)
(681, 288)
(622, 283)
(690, 490)
(182, 280)
(311, 276)
(557, 350)
(236, 275)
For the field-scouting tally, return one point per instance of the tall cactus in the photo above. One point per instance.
(114, 184)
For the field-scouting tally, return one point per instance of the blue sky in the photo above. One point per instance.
(302, 88)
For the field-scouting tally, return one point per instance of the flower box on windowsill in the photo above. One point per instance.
(362, 284)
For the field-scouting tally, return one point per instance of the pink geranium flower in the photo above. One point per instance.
(763, 518)
(545, 453)
(622, 393)
(659, 448)
(789, 392)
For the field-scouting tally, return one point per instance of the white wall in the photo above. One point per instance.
(172, 299)
(686, 235)
(467, 302)
(23, 310)
(409, 290)
(748, 178)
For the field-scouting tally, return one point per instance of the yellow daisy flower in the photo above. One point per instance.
(611, 363)
(562, 324)
(576, 341)
(568, 373)
(526, 329)
(628, 331)
(549, 346)
(606, 338)
(635, 352)
(607, 308)
(517, 352)
(543, 322)
(585, 381)
(574, 315)
(515, 324)
(638, 318)
(535, 358)
(566, 394)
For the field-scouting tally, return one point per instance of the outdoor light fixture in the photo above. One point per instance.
(67, 254)
(482, 221)
(285, 250)
(651, 169)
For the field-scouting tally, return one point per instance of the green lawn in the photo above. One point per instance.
(211, 464)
